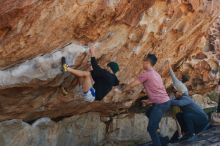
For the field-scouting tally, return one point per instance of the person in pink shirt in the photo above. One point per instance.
(158, 97)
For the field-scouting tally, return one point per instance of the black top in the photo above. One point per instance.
(104, 80)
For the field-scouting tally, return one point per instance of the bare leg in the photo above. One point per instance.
(78, 73)
(84, 78)
(86, 83)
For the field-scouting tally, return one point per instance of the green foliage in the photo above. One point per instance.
(210, 110)
(214, 96)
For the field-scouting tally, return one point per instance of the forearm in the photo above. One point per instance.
(133, 84)
(180, 102)
(175, 102)
(92, 52)
(173, 76)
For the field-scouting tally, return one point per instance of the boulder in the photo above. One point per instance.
(35, 34)
(204, 101)
(84, 130)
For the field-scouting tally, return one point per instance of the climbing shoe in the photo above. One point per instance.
(64, 65)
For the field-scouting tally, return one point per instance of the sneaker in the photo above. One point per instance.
(64, 65)
(208, 126)
(185, 137)
(192, 138)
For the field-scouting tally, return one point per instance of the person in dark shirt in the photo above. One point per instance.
(192, 119)
(104, 79)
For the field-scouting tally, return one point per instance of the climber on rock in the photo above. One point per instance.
(104, 79)
(192, 118)
(158, 97)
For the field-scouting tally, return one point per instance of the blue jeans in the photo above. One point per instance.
(218, 109)
(191, 123)
(155, 113)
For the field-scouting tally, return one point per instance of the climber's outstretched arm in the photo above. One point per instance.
(131, 85)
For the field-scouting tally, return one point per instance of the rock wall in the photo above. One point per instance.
(34, 34)
(81, 130)
(45, 67)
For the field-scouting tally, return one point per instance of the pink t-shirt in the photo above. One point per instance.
(154, 87)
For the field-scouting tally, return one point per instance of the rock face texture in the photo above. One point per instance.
(35, 34)
(210, 137)
(84, 130)
(204, 102)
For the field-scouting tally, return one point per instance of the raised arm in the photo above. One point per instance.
(96, 68)
(178, 85)
(173, 76)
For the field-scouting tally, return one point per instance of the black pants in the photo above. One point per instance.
(191, 123)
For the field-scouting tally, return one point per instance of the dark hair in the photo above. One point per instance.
(151, 57)
(185, 78)
(219, 82)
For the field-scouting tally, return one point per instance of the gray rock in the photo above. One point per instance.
(80, 130)
(210, 137)
(129, 127)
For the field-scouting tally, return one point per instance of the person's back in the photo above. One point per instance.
(192, 119)
(103, 79)
(103, 84)
(188, 105)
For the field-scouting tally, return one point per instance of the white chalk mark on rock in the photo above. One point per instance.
(42, 67)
